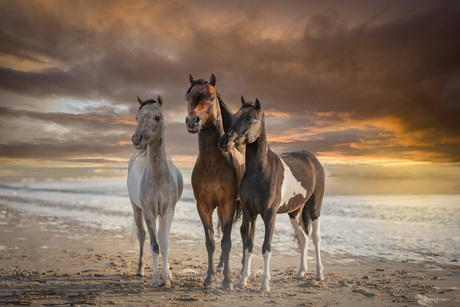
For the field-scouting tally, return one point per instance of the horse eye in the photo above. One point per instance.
(157, 118)
(213, 98)
(250, 121)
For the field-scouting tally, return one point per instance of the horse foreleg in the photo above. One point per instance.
(150, 221)
(206, 219)
(138, 219)
(250, 226)
(316, 237)
(226, 245)
(269, 221)
(220, 266)
(165, 228)
(303, 242)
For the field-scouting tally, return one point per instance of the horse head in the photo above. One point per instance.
(150, 124)
(247, 125)
(202, 104)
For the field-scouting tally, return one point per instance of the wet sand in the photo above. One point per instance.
(45, 262)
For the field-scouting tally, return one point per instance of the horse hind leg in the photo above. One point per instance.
(138, 220)
(163, 235)
(303, 243)
(316, 237)
(243, 233)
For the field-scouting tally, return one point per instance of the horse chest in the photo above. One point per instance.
(157, 195)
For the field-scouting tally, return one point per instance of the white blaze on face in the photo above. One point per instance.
(290, 187)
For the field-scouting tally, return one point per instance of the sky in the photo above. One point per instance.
(370, 87)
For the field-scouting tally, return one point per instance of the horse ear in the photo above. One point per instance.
(159, 100)
(242, 100)
(257, 104)
(191, 78)
(138, 99)
(213, 80)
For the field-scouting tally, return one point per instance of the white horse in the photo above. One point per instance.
(154, 186)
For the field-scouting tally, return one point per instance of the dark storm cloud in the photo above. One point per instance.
(52, 149)
(104, 116)
(102, 132)
(374, 61)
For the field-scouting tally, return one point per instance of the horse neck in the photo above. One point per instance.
(258, 153)
(209, 136)
(156, 157)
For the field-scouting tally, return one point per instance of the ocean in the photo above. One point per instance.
(396, 227)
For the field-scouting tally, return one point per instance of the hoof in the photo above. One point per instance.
(320, 278)
(207, 283)
(166, 284)
(241, 286)
(140, 274)
(219, 269)
(300, 276)
(228, 286)
(265, 288)
(155, 284)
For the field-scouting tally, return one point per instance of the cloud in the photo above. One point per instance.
(376, 80)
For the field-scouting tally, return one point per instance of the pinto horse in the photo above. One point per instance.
(292, 183)
(154, 186)
(217, 175)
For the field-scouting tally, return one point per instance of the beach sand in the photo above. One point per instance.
(45, 262)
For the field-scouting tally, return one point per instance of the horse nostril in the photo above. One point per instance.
(136, 139)
(192, 121)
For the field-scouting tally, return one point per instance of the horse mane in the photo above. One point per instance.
(139, 153)
(227, 115)
(192, 84)
(146, 102)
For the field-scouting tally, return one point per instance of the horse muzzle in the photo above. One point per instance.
(193, 124)
(225, 144)
(137, 140)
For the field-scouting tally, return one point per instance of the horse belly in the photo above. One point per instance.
(293, 194)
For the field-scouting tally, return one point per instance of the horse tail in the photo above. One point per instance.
(305, 219)
(238, 211)
(305, 222)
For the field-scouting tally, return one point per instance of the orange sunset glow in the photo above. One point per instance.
(371, 88)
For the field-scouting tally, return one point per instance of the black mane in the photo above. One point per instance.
(146, 102)
(227, 115)
(199, 81)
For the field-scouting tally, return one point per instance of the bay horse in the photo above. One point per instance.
(292, 183)
(154, 185)
(216, 176)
